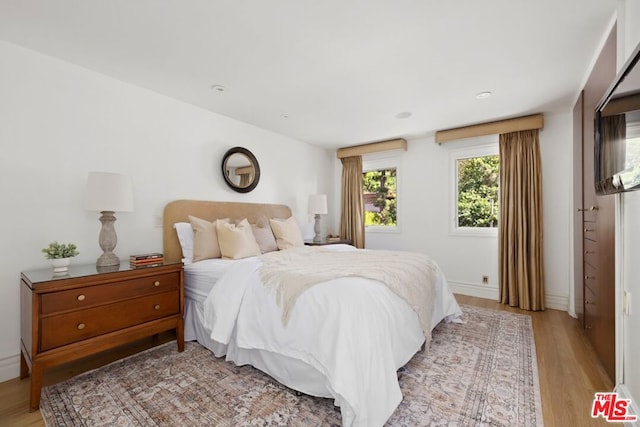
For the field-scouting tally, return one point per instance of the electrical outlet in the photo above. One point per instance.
(485, 280)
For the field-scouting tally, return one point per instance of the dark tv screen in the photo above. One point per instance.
(617, 133)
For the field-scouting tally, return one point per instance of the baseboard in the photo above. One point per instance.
(474, 290)
(9, 368)
(554, 302)
(623, 393)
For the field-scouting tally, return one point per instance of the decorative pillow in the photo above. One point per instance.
(205, 238)
(264, 236)
(237, 241)
(287, 233)
(185, 237)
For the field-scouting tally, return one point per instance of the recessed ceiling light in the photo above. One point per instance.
(403, 115)
(483, 95)
(218, 88)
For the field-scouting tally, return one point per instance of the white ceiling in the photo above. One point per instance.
(341, 70)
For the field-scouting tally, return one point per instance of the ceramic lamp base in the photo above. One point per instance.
(316, 229)
(107, 259)
(107, 240)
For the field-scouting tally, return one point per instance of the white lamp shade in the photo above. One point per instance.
(318, 204)
(108, 191)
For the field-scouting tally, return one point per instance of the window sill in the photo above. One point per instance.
(474, 232)
(374, 229)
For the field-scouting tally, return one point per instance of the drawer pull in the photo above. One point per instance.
(589, 302)
(592, 208)
(157, 307)
(587, 326)
(589, 252)
(588, 229)
(81, 326)
(156, 283)
(81, 297)
(589, 277)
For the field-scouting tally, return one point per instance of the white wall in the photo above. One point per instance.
(556, 143)
(628, 372)
(424, 215)
(631, 283)
(59, 121)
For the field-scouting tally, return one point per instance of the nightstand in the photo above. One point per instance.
(328, 242)
(64, 318)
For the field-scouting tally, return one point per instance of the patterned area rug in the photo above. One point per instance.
(482, 372)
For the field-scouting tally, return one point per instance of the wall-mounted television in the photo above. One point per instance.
(617, 132)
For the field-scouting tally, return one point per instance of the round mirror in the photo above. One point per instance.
(240, 169)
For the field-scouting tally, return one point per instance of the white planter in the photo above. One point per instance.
(60, 265)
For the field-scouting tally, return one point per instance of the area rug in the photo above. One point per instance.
(479, 373)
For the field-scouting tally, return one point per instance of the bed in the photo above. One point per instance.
(343, 338)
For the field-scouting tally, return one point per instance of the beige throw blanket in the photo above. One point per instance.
(411, 276)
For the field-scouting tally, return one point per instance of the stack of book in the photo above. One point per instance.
(146, 260)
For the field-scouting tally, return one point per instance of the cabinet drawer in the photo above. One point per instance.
(590, 252)
(590, 278)
(90, 296)
(82, 324)
(590, 309)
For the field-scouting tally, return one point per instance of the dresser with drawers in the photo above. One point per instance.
(87, 311)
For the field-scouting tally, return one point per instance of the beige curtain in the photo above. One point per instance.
(245, 179)
(352, 216)
(521, 269)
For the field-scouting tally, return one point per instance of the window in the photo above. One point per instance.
(475, 190)
(380, 194)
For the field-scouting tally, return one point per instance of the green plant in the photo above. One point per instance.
(60, 250)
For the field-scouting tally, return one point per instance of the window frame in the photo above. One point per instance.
(371, 162)
(488, 147)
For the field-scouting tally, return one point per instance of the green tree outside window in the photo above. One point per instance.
(379, 192)
(478, 179)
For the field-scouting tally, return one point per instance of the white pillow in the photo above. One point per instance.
(237, 241)
(185, 237)
(287, 233)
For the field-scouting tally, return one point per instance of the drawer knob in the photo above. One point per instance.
(589, 252)
(81, 297)
(157, 307)
(156, 283)
(589, 277)
(588, 229)
(81, 326)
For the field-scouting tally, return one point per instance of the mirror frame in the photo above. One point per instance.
(254, 162)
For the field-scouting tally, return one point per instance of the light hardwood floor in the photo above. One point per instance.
(568, 369)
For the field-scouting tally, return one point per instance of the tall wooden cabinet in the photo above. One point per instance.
(595, 299)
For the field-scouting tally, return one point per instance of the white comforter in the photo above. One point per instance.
(356, 342)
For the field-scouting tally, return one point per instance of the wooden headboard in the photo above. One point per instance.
(179, 211)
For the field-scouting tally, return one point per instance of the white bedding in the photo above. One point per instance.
(202, 275)
(346, 348)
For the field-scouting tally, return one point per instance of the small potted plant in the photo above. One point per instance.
(60, 255)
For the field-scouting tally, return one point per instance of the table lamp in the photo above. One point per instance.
(317, 207)
(107, 193)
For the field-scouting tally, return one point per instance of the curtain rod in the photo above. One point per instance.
(373, 147)
(535, 121)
